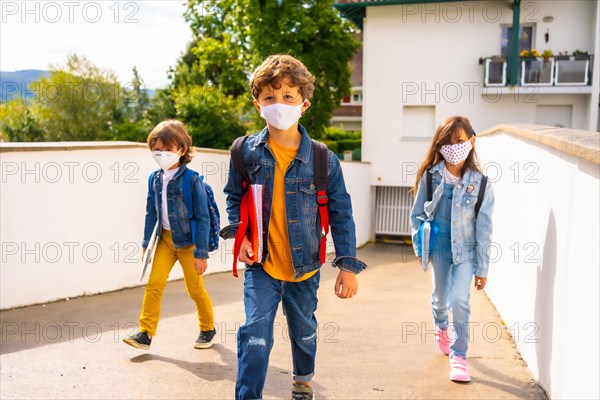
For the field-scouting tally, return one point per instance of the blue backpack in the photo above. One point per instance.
(213, 210)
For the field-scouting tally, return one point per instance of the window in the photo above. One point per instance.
(525, 39)
(418, 122)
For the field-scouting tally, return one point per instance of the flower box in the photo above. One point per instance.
(537, 71)
(573, 71)
(495, 72)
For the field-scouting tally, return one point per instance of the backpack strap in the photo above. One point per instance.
(321, 179)
(429, 185)
(152, 179)
(237, 161)
(186, 186)
(480, 195)
(237, 157)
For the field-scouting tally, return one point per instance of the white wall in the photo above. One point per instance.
(545, 279)
(72, 219)
(427, 54)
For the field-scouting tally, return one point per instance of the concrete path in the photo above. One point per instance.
(378, 345)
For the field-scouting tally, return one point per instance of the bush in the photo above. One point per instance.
(331, 145)
(335, 134)
(346, 144)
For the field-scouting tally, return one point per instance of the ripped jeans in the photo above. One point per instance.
(262, 295)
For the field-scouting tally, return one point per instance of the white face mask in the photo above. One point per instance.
(281, 116)
(456, 153)
(165, 159)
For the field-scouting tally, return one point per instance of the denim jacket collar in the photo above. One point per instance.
(179, 172)
(303, 153)
(467, 178)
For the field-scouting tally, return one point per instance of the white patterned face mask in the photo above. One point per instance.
(456, 153)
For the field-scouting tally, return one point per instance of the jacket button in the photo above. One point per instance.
(456, 204)
(312, 187)
(468, 201)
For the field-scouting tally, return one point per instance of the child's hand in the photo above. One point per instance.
(346, 285)
(246, 254)
(200, 264)
(480, 282)
(143, 253)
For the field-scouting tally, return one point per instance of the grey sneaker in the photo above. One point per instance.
(140, 340)
(205, 339)
(301, 392)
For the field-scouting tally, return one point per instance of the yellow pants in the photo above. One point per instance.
(164, 258)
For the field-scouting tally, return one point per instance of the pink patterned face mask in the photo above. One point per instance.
(456, 153)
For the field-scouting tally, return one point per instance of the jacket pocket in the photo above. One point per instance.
(308, 192)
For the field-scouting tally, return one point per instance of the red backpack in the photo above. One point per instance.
(321, 180)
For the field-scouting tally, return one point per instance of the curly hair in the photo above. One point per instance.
(278, 67)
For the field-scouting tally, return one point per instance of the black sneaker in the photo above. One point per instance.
(205, 339)
(140, 340)
(301, 392)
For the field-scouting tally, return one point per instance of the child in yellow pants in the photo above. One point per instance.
(181, 238)
(164, 259)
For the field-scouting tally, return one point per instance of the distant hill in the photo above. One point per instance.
(16, 84)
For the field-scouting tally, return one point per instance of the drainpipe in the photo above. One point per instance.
(514, 51)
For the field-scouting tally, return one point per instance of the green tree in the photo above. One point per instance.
(232, 37)
(135, 124)
(162, 106)
(79, 102)
(139, 100)
(18, 124)
(209, 83)
(312, 31)
(211, 117)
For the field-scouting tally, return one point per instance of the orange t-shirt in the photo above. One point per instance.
(279, 263)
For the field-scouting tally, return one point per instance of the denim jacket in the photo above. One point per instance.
(304, 228)
(181, 229)
(471, 238)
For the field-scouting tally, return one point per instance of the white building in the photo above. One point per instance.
(425, 61)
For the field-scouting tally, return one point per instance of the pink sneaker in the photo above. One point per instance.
(459, 369)
(443, 340)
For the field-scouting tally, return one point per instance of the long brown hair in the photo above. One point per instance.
(444, 134)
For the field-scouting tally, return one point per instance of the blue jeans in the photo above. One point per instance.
(451, 282)
(262, 295)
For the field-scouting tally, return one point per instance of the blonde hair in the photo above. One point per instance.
(278, 67)
(172, 133)
(444, 134)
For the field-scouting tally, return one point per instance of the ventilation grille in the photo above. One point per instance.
(392, 215)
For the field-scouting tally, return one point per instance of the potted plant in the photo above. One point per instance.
(534, 70)
(573, 70)
(547, 54)
(581, 55)
(529, 54)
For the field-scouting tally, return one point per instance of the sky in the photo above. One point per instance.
(117, 35)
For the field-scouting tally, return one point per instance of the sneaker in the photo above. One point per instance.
(205, 339)
(140, 340)
(302, 392)
(442, 339)
(459, 369)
